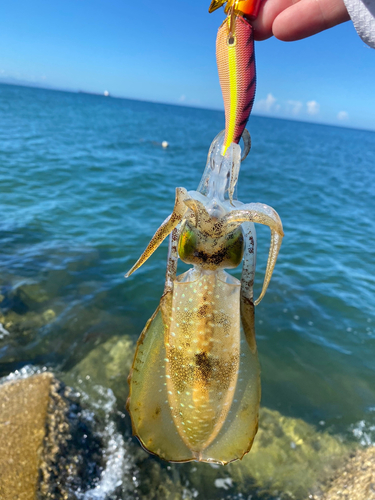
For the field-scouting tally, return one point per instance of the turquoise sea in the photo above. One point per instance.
(84, 183)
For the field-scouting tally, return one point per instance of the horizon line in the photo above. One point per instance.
(27, 84)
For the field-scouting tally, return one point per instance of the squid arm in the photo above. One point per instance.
(247, 282)
(165, 229)
(171, 261)
(262, 214)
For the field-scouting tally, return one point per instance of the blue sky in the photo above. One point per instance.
(165, 51)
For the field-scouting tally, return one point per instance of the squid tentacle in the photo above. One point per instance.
(167, 226)
(262, 214)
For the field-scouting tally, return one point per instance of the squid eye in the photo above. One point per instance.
(187, 243)
(235, 247)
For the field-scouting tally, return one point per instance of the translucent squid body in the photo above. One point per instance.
(195, 379)
(236, 64)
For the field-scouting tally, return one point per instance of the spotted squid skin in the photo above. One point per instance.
(236, 65)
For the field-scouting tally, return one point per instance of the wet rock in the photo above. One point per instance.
(289, 457)
(24, 297)
(24, 310)
(47, 447)
(158, 481)
(355, 481)
(72, 452)
(107, 365)
(23, 327)
(31, 295)
(23, 413)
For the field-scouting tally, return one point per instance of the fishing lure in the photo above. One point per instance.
(195, 379)
(236, 65)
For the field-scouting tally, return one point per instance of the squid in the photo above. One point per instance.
(195, 380)
(194, 386)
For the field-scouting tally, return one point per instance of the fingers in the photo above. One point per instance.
(290, 20)
(268, 11)
(308, 17)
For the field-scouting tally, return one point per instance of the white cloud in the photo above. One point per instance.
(188, 101)
(294, 107)
(342, 116)
(313, 107)
(266, 104)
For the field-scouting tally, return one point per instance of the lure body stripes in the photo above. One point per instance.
(236, 66)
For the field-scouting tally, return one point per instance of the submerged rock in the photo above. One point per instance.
(23, 327)
(47, 447)
(289, 457)
(31, 295)
(355, 481)
(107, 365)
(24, 310)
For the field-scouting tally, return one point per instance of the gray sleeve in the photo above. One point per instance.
(362, 13)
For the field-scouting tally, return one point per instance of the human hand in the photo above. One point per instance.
(290, 20)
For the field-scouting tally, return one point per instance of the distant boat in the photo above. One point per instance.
(105, 93)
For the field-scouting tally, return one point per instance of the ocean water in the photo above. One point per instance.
(84, 184)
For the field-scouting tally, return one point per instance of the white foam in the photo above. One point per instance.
(117, 472)
(364, 432)
(3, 332)
(224, 483)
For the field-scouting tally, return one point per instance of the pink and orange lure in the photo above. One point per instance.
(236, 65)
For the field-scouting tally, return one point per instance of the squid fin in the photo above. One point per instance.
(237, 434)
(148, 397)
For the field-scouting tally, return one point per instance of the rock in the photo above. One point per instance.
(107, 365)
(24, 297)
(289, 456)
(48, 315)
(24, 326)
(31, 295)
(355, 481)
(47, 446)
(72, 452)
(23, 413)
(24, 311)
